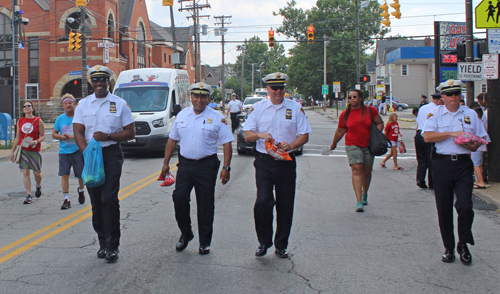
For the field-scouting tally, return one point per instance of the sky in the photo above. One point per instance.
(255, 18)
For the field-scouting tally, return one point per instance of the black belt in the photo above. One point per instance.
(419, 131)
(198, 160)
(452, 157)
(267, 156)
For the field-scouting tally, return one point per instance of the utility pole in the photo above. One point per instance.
(260, 72)
(357, 44)
(172, 25)
(253, 64)
(222, 18)
(242, 49)
(324, 69)
(15, 62)
(195, 15)
(84, 53)
(469, 49)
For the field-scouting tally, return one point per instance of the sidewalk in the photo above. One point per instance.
(490, 194)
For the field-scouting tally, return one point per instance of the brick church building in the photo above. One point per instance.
(122, 27)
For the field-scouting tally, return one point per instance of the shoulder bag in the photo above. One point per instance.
(378, 141)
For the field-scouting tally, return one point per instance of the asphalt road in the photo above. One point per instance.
(393, 247)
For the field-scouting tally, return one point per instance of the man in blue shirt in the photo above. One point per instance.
(212, 104)
(69, 154)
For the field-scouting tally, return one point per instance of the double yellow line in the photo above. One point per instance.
(75, 218)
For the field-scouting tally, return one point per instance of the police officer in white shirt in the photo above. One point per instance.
(284, 121)
(234, 107)
(452, 167)
(423, 149)
(108, 119)
(198, 129)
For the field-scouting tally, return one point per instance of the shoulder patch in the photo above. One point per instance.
(430, 115)
(224, 121)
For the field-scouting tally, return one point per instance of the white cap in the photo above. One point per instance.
(450, 85)
(201, 88)
(276, 78)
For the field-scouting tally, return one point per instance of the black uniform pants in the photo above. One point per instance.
(104, 199)
(454, 178)
(281, 176)
(235, 122)
(202, 175)
(423, 151)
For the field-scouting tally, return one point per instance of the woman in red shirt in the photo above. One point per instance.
(30, 132)
(355, 123)
(392, 133)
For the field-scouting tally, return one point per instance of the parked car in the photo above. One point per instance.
(250, 101)
(244, 147)
(399, 106)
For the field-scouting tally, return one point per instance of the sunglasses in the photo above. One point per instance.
(276, 88)
(353, 97)
(99, 79)
(26, 106)
(453, 93)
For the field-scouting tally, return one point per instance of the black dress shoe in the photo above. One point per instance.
(102, 252)
(184, 241)
(281, 252)
(112, 254)
(262, 250)
(464, 253)
(422, 185)
(204, 249)
(448, 256)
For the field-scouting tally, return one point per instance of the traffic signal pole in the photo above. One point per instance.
(84, 53)
(469, 48)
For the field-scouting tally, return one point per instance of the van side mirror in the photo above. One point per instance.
(177, 109)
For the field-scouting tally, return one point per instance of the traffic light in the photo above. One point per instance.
(81, 2)
(272, 41)
(78, 41)
(310, 34)
(385, 15)
(168, 2)
(364, 79)
(72, 41)
(396, 13)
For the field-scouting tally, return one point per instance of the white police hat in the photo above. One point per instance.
(450, 86)
(201, 88)
(99, 71)
(277, 78)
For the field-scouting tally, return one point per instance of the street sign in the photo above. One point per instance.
(486, 15)
(490, 66)
(470, 71)
(336, 87)
(325, 90)
(493, 41)
(106, 44)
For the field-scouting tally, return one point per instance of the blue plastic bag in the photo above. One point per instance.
(93, 170)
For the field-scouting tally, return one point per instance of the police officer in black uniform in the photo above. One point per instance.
(198, 129)
(108, 119)
(452, 167)
(424, 101)
(284, 121)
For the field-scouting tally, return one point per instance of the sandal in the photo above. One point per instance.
(382, 165)
(479, 187)
(398, 168)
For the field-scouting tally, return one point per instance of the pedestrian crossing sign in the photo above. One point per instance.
(488, 14)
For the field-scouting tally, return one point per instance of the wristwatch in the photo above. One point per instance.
(109, 137)
(228, 168)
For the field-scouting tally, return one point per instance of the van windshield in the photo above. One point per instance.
(141, 99)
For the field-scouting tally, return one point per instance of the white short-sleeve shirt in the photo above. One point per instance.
(442, 120)
(199, 134)
(234, 106)
(284, 121)
(422, 114)
(108, 115)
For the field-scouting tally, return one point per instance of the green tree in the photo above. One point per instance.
(335, 20)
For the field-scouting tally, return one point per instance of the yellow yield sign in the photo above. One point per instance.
(488, 14)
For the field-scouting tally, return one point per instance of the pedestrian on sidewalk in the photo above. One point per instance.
(392, 133)
(477, 156)
(30, 133)
(234, 107)
(422, 148)
(69, 154)
(452, 167)
(355, 123)
(382, 105)
(105, 118)
(198, 164)
(285, 122)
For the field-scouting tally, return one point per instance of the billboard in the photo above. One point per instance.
(447, 36)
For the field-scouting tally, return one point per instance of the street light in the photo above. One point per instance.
(242, 49)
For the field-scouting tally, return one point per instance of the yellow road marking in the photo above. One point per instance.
(138, 185)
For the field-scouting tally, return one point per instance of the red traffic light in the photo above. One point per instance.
(364, 79)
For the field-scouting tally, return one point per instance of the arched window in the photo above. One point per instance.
(141, 46)
(73, 23)
(111, 27)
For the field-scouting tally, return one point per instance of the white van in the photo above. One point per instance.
(155, 96)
